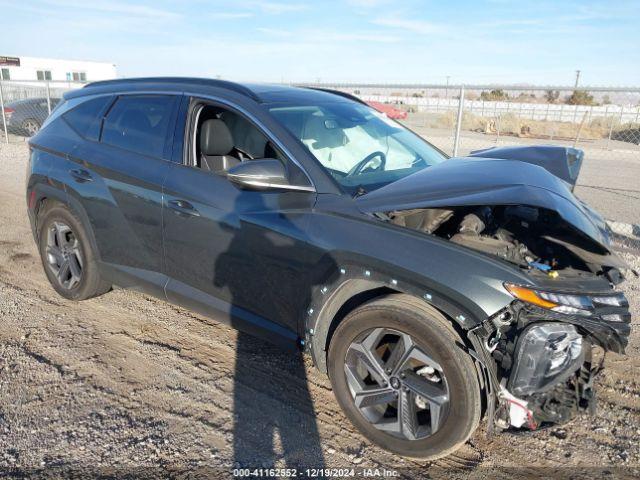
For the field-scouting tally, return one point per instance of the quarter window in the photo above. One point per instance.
(4, 74)
(85, 118)
(139, 123)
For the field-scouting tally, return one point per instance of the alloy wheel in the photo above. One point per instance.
(64, 256)
(396, 385)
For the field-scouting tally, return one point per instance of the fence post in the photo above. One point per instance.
(584, 117)
(621, 114)
(456, 140)
(610, 132)
(4, 117)
(546, 115)
(425, 111)
(497, 129)
(48, 98)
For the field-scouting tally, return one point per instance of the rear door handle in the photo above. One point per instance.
(183, 207)
(81, 175)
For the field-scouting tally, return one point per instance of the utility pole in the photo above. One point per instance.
(577, 79)
(446, 90)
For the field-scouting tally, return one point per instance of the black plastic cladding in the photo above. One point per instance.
(352, 280)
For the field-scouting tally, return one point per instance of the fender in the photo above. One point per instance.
(353, 282)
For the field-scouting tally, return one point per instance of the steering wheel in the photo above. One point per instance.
(359, 167)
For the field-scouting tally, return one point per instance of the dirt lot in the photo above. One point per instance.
(129, 385)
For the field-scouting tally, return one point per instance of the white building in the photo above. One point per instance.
(48, 69)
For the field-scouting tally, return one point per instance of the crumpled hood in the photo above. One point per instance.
(479, 181)
(563, 162)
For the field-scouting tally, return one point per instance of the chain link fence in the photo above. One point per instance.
(604, 122)
(604, 118)
(24, 106)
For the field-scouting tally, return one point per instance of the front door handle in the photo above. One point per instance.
(81, 175)
(183, 207)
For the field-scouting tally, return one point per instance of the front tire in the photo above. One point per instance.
(401, 378)
(67, 256)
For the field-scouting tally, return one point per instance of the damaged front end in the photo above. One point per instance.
(540, 353)
(541, 362)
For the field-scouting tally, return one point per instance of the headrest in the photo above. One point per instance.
(215, 138)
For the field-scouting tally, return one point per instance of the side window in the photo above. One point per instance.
(139, 123)
(224, 138)
(85, 118)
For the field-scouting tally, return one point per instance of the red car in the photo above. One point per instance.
(389, 110)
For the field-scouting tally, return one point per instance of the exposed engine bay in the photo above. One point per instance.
(530, 237)
(539, 353)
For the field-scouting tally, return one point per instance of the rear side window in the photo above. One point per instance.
(85, 118)
(139, 123)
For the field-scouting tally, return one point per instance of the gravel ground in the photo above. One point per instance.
(126, 384)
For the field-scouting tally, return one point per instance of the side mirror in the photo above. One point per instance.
(262, 174)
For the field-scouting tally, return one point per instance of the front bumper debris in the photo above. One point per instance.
(538, 365)
(557, 405)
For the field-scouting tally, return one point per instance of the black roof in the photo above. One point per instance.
(262, 93)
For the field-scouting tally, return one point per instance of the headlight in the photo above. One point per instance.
(610, 307)
(558, 302)
(546, 354)
(617, 300)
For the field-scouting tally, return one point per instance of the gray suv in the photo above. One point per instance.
(433, 291)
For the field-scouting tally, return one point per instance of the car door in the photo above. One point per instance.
(118, 179)
(239, 255)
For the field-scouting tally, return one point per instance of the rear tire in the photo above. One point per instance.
(452, 376)
(67, 257)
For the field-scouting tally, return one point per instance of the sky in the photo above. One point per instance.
(375, 41)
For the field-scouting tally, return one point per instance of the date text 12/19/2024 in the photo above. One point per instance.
(315, 473)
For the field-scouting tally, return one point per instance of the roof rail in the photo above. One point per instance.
(236, 87)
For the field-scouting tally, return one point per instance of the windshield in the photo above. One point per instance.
(359, 146)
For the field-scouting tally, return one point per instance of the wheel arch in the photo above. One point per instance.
(43, 194)
(330, 307)
(355, 292)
